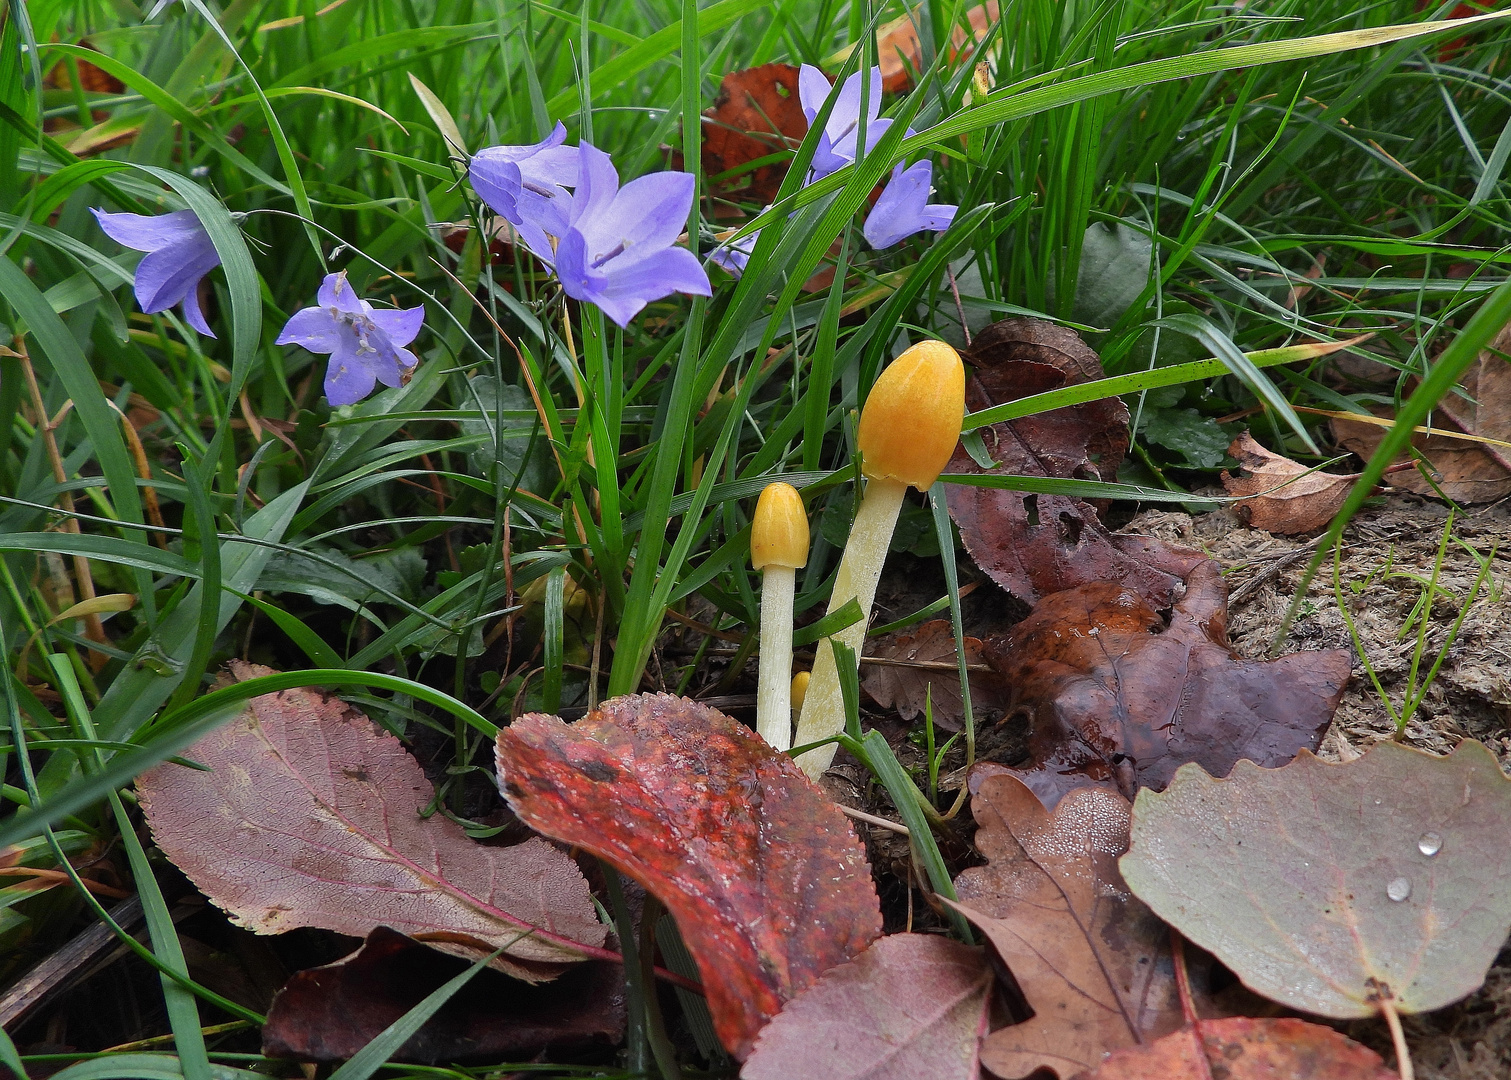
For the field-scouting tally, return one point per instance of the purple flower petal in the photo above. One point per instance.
(667, 271)
(812, 89)
(648, 213)
(193, 315)
(148, 232)
(904, 209)
(559, 165)
(400, 324)
(497, 180)
(348, 379)
(573, 268)
(167, 275)
(313, 328)
(734, 256)
(336, 293)
(597, 184)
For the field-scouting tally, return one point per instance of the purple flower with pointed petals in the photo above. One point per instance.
(837, 144)
(525, 185)
(179, 253)
(734, 255)
(618, 248)
(366, 343)
(904, 208)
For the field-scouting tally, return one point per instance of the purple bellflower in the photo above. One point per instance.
(617, 250)
(904, 208)
(366, 343)
(525, 185)
(837, 145)
(179, 253)
(734, 255)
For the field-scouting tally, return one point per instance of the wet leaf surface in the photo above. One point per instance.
(1035, 544)
(1244, 1048)
(911, 1007)
(310, 816)
(1117, 698)
(764, 876)
(756, 114)
(1092, 961)
(1308, 501)
(1326, 886)
(907, 688)
(329, 1013)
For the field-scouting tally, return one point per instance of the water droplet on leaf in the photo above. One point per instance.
(1399, 889)
(1430, 843)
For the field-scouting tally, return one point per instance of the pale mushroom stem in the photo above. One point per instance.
(774, 688)
(823, 712)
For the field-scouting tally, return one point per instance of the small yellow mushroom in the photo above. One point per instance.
(908, 430)
(778, 547)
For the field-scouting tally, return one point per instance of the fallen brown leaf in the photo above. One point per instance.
(1117, 698)
(757, 113)
(1331, 887)
(1034, 545)
(897, 50)
(1245, 1048)
(1093, 962)
(764, 876)
(911, 1007)
(906, 689)
(310, 816)
(1306, 501)
(329, 1013)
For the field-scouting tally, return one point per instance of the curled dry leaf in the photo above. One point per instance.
(911, 1007)
(1306, 501)
(1093, 962)
(310, 816)
(1327, 887)
(1117, 698)
(907, 689)
(1245, 1048)
(764, 876)
(1034, 544)
(329, 1013)
(756, 114)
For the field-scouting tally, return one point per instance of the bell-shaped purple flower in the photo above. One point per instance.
(837, 144)
(618, 248)
(366, 344)
(179, 253)
(734, 255)
(904, 208)
(525, 185)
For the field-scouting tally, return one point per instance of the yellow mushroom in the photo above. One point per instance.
(908, 430)
(778, 547)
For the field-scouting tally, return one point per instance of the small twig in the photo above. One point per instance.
(879, 822)
(1188, 1004)
(1255, 583)
(704, 628)
(959, 307)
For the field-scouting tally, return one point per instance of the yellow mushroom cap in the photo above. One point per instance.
(779, 533)
(800, 688)
(911, 421)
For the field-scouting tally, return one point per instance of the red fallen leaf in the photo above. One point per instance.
(906, 689)
(756, 114)
(310, 816)
(1307, 502)
(329, 1013)
(1247, 1048)
(911, 1007)
(1092, 961)
(1034, 545)
(1117, 698)
(897, 49)
(763, 874)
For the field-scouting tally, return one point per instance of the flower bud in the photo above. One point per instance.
(779, 533)
(911, 421)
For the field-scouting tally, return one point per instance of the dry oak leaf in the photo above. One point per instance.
(756, 114)
(764, 876)
(907, 689)
(911, 1007)
(1247, 1048)
(1115, 697)
(1328, 887)
(1281, 495)
(1093, 962)
(1037, 544)
(329, 1013)
(310, 816)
